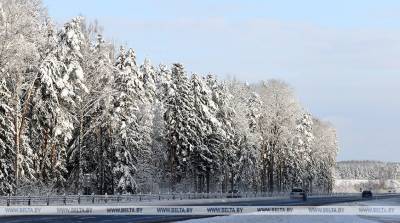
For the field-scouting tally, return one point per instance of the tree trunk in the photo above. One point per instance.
(100, 159)
(53, 156)
(225, 182)
(44, 153)
(232, 180)
(271, 174)
(16, 138)
(80, 174)
(264, 177)
(172, 169)
(19, 121)
(208, 179)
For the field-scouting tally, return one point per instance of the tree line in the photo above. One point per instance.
(80, 115)
(367, 170)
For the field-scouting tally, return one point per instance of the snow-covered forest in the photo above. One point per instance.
(367, 170)
(81, 115)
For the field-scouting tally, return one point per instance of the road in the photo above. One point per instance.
(312, 201)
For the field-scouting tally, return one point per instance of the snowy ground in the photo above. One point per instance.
(282, 219)
(254, 218)
(353, 185)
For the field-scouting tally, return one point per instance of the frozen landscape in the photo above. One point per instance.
(81, 115)
(127, 111)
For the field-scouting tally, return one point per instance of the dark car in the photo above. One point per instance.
(366, 194)
(233, 194)
(298, 193)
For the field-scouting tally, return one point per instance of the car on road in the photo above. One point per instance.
(234, 194)
(366, 194)
(298, 193)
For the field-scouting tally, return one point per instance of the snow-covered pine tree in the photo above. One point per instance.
(159, 142)
(97, 149)
(180, 125)
(90, 144)
(77, 162)
(7, 156)
(21, 32)
(249, 149)
(132, 119)
(205, 154)
(103, 92)
(126, 130)
(231, 108)
(145, 166)
(149, 80)
(60, 80)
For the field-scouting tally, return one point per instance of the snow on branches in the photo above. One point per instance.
(77, 118)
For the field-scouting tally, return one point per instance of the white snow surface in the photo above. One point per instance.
(259, 218)
(254, 218)
(354, 185)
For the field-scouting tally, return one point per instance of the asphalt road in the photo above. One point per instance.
(157, 218)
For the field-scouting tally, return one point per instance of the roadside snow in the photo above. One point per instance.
(395, 201)
(379, 202)
(280, 219)
(178, 202)
(259, 218)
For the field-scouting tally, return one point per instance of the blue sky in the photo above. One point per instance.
(341, 57)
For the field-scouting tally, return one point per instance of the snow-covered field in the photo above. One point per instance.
(353, 185)
(259, 218)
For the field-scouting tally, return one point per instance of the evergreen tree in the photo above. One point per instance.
(145, 166)
(7, 156)
(203, 157)
(159, 142)
(126, 135)
(180, 126)
(21, 30)
(60, 82)
(74, 120)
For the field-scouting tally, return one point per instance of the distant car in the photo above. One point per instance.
(233, 194)
(366, 194)
(298, 193)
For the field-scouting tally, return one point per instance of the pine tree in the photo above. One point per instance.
(60, 81)
(159, 142)
(230, 105)
(7, 155)
(71, 118)
(101, 115)
(92, 116)
(203, 156)
(180, 126)
(145, 167)
(21, 25)
(126, 129)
